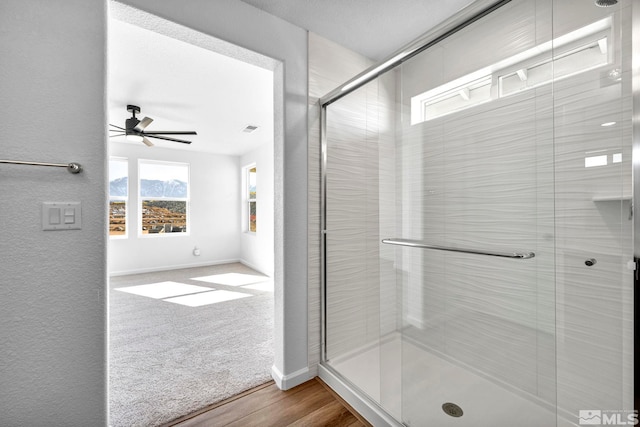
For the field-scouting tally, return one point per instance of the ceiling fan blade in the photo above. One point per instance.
(147, 142)
(168, 139)
(172, 132)
(142, 124)
(118, 127)
(120, 134)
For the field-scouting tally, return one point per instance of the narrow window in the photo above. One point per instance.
(250, 197)
(164, 197)
(118, 196)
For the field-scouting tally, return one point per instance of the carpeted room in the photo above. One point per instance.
(168, 359)
(191, 310)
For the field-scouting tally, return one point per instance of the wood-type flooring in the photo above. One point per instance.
(310, 404)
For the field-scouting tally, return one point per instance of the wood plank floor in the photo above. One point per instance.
(310, 404)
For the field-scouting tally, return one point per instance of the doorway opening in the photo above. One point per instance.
(191, 293)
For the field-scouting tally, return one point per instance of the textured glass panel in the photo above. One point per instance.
(479, 178)
(512, 135)
(360, 128)
(593, 133)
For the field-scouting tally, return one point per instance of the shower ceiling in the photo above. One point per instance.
(373, 28)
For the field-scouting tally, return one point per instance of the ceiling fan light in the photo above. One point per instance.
(134, 138)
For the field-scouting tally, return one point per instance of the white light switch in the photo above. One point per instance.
(61, 215)
(54, 216)
(69, 216)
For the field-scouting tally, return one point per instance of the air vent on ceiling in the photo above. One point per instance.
(250, 129)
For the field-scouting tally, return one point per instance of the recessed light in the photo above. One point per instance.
(249, 129)
(607, 124)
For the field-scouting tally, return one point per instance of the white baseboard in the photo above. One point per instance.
(256, 268)
(285, 382)
(172, 267)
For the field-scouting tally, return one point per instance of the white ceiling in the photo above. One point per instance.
(186, 87)
(373, 28)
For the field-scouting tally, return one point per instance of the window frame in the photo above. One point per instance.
(125, 199)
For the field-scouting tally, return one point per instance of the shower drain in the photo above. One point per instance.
(452, 409)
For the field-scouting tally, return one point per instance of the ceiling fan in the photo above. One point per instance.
(135, 129)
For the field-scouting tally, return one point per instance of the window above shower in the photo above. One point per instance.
(576, 52)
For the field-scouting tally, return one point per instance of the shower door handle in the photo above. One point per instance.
(419, 244)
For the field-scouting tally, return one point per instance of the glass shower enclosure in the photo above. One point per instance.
(477, 222)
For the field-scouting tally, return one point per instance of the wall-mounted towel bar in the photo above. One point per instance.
(419, 244)
(71, 167)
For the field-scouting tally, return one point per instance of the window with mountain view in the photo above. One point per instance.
(118, 195)
(164, 197)
(250, 197)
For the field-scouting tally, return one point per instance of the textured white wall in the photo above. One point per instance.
(214, 215)
(52, 284)
(256, 249)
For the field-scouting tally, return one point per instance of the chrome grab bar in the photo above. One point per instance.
(421, 245)
(71, 167)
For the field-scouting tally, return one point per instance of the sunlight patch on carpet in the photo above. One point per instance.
(264, 286)
(206, 298)
(232, 279)
(163, 290)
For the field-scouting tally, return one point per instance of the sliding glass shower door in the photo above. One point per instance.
(477, 228)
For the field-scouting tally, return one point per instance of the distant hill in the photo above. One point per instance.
(118, 187)
(157, 188)
(150, 188)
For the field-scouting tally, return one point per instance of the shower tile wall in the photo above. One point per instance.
(595, 304)
(362, 128)
(487, 182)
(329, 66)
(482, 179)
(478, 186)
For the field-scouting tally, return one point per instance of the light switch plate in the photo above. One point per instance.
(61, 216)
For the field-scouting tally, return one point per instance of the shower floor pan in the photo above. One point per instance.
(431, 382)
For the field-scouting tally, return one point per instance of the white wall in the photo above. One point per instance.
(256, 249)
(52, 284)
(214, 215)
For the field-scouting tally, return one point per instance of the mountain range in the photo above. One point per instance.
(150, 188)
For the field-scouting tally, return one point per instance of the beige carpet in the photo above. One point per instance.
(178, 344)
